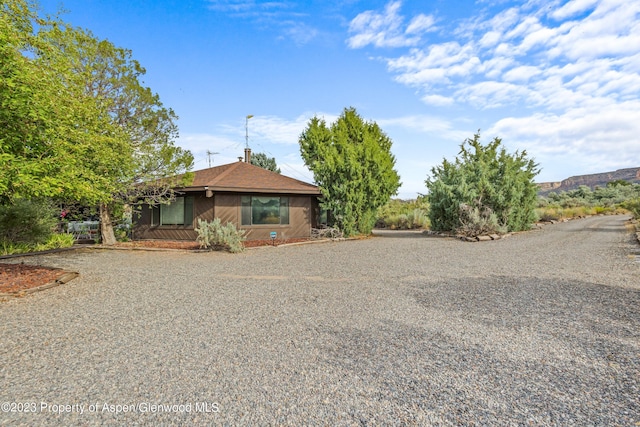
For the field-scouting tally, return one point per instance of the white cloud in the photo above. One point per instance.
(521, 74)
(420, 24)
(385, 29)
(491, 38)
(438, 100)
(568, 72)
(572, 8)
(436, 65)
(518, 57)
(277, 130)
(607, 133)
(492, 94)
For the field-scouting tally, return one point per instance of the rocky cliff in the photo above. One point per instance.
(592, 181)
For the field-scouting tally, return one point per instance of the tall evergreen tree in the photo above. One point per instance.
(352, 164)
(265, 162)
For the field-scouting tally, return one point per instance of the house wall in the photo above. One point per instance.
(227, 207)
(203, 208)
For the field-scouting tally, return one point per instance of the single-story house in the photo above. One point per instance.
(254, 199)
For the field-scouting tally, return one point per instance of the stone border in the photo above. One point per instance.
(481, 238)
(65, 277)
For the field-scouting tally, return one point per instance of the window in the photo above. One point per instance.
(178, 212)
(258, 210)
(323, 217)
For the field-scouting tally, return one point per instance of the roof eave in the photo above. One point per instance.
(310, 192)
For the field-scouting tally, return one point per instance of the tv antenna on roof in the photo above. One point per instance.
(209, 154)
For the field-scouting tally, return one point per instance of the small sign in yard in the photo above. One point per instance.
(273, 237)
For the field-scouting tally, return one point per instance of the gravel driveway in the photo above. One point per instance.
(541, 328)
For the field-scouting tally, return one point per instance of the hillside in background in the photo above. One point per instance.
(594, 180)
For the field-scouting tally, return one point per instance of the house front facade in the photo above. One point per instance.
(254, 199)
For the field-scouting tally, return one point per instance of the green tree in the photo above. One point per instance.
(268, 163)
(76, 122)
(483, 184)
(112, 78)
(48, 127)
(352, 164)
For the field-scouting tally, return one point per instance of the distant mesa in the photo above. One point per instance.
(592, 181)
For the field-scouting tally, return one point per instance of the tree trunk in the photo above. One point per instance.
(106, 227)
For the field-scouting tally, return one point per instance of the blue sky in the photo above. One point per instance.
(560, 79)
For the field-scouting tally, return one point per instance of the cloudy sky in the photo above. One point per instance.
(559, 79)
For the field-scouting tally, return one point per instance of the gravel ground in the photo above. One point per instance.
(542, 328)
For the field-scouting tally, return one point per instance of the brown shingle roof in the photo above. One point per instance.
(247, 178)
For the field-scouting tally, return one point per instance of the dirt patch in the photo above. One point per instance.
(15, 278)
(176, 244)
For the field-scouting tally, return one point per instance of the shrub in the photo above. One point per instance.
(214, 235)
(419, 218)
(27, 221)
(403, 222)
(483, 177)
(478, 220)
(549, 214)
(416, 211)
(633, 206)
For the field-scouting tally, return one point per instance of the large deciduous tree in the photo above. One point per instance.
(352, 164)
(111, 76)
(76, 121)
(484, 189)
(49, 129)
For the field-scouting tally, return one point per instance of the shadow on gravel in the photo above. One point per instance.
(503, 351)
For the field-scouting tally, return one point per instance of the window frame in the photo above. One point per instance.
(187, 212)
(248, 212)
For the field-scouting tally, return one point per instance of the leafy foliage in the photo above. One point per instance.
(76, 122)
(265, 162)
(352, 164)
(27, 221)
(55, 241)
(112, 77)
(483, 178)
(54, 139)
(213, 235)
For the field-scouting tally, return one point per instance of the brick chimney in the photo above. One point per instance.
(247, 155)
